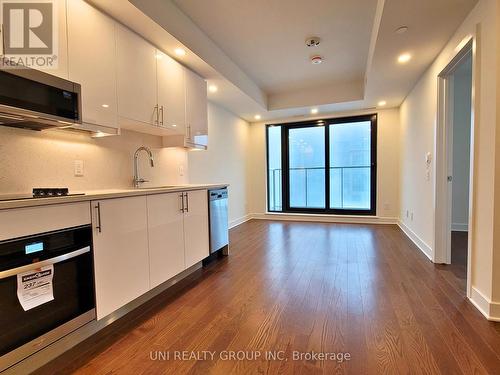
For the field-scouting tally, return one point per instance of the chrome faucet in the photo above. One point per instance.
(137, 180)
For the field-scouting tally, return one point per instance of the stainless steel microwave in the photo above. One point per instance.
(36, 100)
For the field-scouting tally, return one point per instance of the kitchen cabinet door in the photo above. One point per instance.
(121, 261)
(166, 237)
(196, 109)
(196, 240)
(61, 43)
(136, 77)
(171, 93)
(92, 62)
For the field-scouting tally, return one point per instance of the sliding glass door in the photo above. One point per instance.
(324, 166)
(307, 167)
(350, 165)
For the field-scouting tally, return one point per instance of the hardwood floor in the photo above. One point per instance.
(363, 290)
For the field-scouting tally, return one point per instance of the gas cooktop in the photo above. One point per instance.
(40, 193)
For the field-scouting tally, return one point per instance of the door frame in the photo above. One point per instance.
(444, 150)
(285, 164)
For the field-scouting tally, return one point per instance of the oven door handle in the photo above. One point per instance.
(43, 263)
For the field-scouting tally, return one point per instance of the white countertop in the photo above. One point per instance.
(104, 194)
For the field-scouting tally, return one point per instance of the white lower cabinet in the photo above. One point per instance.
(178, 233)
(121, 260)
(141, 242)
(196, 240)
(166, 237)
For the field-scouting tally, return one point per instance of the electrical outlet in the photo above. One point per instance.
(387, 206)
(78, 166)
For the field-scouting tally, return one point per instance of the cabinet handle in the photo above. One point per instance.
(98, 225)
(188, 131)
(187, 202)
(155, 110)
(182, 202)
(161, 118)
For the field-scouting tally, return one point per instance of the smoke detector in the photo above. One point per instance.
(313, 41)
(316, 59)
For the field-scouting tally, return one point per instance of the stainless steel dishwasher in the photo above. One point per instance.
(219, 231)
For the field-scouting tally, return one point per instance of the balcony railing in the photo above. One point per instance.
(276, 199)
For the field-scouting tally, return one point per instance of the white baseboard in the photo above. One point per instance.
(355, 219)
(459, 227)
(426, 249)
(490, 309)
(241, 220)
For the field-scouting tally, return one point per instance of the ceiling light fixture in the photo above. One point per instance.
(404, 58)
(257, 117)
(313, 41)
(180, 52)
(382, 103)
(314, 111)
(401, 30)
(105, 105)
(316, 60)
(213, 88)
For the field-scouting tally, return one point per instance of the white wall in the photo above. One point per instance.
(418, 128)
(45, 159)
(387, 163)
(226, 159)
(462, 89)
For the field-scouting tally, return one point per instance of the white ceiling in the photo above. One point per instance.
(255, 50)
(266, 38)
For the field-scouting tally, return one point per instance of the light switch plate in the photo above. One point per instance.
(78, 164)
(181, 170)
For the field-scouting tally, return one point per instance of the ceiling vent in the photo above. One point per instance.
(312, 41)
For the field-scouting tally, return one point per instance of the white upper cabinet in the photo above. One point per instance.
(92, 62)
(61, 42)
(171, 97)
(136, 78)
(196, 109)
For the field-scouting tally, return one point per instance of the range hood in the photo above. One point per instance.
(36, 100)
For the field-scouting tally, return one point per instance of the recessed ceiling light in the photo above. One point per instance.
(213, 88)
(401, 30)
(257, 117)
(382, 103)
(174, 125)
(404, 58)
(180, 52)
(105, 105)
(314, 111)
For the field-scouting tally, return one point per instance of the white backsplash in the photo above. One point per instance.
(46, 159)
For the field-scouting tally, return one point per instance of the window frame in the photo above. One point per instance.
(285, 163)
